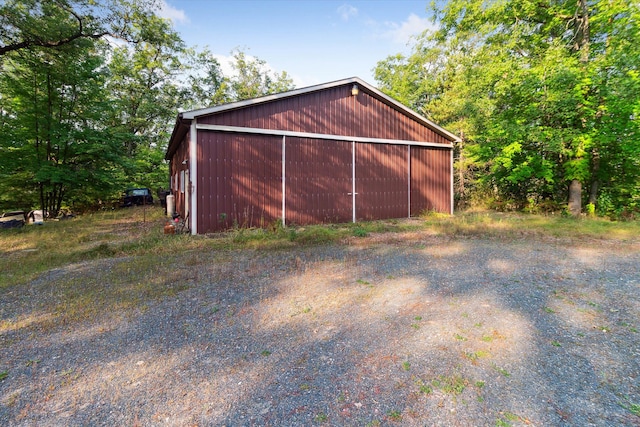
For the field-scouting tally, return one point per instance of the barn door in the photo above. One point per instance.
(381, 181)
(318, 181)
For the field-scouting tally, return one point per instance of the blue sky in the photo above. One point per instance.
(313, 41)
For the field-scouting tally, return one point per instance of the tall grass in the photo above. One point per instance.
(26, 253)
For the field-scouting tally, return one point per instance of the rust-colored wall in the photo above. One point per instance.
(430, 180)
(318, 181)
(239, 180)
(381, 181)
(240, 174)
(332, 111)
(176, 166)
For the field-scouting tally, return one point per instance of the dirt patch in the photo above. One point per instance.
(420, 330)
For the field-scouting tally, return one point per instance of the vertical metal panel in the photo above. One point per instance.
(331, 111)
(381, 181)
(430, 180)
(240, 180)
(318, 181)
(241, 176)
(179, 163)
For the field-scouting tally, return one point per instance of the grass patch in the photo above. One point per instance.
(321, 418)
(30, 251)
(394, 415)
(517, 225)
(138, 250)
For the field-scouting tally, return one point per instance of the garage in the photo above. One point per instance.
(337, 152)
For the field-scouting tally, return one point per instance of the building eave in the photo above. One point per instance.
(371, 90)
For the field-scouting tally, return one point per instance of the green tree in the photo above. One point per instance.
(54, 145)
(53, 23)
(544, 92)
(145, 91)
(254, 79)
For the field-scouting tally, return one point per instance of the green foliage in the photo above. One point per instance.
(81, 119)
(538, 100)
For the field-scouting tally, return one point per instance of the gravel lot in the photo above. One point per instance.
(400, 329)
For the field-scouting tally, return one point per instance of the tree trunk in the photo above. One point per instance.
(575, 197)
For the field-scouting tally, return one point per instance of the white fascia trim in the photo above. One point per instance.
(239, 129)
(193, 177)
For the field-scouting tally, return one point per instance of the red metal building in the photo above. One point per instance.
(336, 152)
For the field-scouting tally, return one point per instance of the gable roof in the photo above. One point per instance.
(185, 118)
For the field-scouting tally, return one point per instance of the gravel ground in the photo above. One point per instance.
(387, 330)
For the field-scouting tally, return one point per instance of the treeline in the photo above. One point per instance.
(544, 94)
(89, 91)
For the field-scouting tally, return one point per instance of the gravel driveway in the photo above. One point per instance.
(409, 329)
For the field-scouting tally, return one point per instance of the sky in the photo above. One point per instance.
(314, 41)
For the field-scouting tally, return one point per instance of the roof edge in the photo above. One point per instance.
(193, 114)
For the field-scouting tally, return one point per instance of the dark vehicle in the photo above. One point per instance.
(12, 219)
(137, 196)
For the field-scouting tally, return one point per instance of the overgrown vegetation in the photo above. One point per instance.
(545, 96)
(83, 118)
(138, 232)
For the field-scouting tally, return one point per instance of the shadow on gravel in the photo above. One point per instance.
(433, 332)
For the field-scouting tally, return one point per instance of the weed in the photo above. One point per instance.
(394, 415)
(265, 353)
(415, 326)
(460, 337)
(502, 371)
(479, 384)
(549, 310)
(454, 384)
(634, 408)
(360, 232)
(508, 417)
(321, 417)
(362, 282)
(475, 355)
(4, 375)
(305, 387)
(556, 344)
(373, 423)
(406, 365)
(426, 389)
(417, 318)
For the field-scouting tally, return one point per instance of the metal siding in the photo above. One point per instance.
(318, 181)
(381, 181)
(332, 111)
(430, 180)
(240, 175)
(181, 155)
(240, 180)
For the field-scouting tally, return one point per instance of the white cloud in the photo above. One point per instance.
(346, 11)
(404, 31)
(177, 16)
